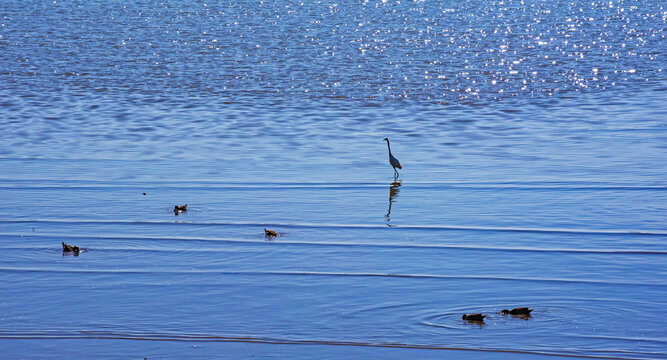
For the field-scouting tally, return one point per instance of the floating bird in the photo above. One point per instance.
(68, 248)
(473, 317)
(517, 311)
(180, 209)
(270, 232)
(144, 194)
(393, 161)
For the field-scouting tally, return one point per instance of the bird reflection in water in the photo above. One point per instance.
(393, 193)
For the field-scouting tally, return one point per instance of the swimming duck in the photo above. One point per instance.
(473, 317)
(270, 232)
(517, 311)
(68, 248)
(180, 209)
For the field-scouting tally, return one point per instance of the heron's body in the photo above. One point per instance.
(517, 311)
(392, 160)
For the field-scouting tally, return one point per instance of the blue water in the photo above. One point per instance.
(532, 135)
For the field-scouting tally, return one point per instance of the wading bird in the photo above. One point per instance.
(392, 160)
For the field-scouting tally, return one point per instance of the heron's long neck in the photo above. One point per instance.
(388, 147)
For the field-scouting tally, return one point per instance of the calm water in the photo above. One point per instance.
(532, 133)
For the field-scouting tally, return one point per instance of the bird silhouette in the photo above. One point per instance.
(70, 248)
(392, 160)
(270, 232)
(517, 311)
(180, 208)
(473, 317)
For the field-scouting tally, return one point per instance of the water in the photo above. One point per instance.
(532, 136)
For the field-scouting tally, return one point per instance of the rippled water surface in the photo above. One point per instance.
(532, 135)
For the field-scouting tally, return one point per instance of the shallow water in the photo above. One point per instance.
(532, 136)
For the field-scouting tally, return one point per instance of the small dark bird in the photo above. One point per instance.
(517, 311)
(180, 209)
(270, 232)
(392, 160)
(68, 248)
(473, 317)
(144, 194)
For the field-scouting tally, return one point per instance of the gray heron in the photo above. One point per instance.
(392, 160)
